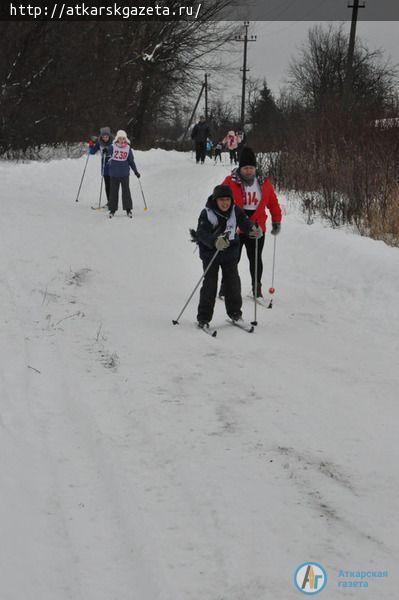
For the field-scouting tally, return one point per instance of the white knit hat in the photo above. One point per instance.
(121, 134)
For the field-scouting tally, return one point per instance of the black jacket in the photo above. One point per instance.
(200, 132)
(207, 233)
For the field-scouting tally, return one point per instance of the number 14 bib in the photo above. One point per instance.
(252, 196)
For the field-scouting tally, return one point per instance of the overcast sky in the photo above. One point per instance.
(278, 41)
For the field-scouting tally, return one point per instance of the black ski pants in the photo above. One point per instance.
(250, 245)
(250, 248)
(233, 157)
(232, 286)
(114, 193)
(200, 151)
(107, 184)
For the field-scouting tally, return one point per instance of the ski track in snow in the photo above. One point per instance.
(144, 461)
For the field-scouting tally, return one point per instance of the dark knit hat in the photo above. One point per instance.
(247, 158)
(105, 131)
(222, 191)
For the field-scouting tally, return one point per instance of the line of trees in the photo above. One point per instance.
(59, 81)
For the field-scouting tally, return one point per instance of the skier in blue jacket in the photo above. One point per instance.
(103, 144)
(120, 163)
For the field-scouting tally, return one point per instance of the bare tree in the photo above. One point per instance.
(317, 75)
(60, 81)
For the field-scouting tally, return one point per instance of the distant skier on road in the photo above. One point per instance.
(120, 163)
(199, 135)
(254, 195)
(218, 151)
(209, 148)
(103, 144)
(217, 231)
(231, 141)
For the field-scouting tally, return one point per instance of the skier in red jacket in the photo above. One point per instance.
(254, 196)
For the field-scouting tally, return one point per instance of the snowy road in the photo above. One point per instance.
(142, 461)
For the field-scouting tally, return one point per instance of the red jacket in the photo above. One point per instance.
(268, 200)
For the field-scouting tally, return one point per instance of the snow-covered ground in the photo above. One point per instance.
(144, 461)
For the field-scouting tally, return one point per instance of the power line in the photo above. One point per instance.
(284, 10)
(303, 18)
(271, 16)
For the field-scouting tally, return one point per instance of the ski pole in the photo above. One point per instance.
(81, 181)
(176, 321)
(271, 289)
(101, 191)
(142, 193)
(255, 322)
(102, 180)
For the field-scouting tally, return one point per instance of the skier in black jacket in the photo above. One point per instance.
(217, 230)
(199, 135)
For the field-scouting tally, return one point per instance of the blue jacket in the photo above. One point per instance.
(105, 154)
(121, 168)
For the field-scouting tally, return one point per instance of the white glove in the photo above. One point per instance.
(255, 233)
(221, 243)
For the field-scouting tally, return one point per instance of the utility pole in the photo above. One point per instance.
(205, 87)
(206, 97)
(194, 111)
(244, 38)
(348, 84)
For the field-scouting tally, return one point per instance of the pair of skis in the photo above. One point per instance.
(241, 324)
(261, 301)
(129, 214)
(111, 216)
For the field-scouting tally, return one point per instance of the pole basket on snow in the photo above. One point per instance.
(142, 194)
(271, 288)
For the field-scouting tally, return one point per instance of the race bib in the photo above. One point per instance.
(120, 154)
(252, 196)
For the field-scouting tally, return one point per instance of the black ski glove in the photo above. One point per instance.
(276, 228)
(193, 236)
(137, 175)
